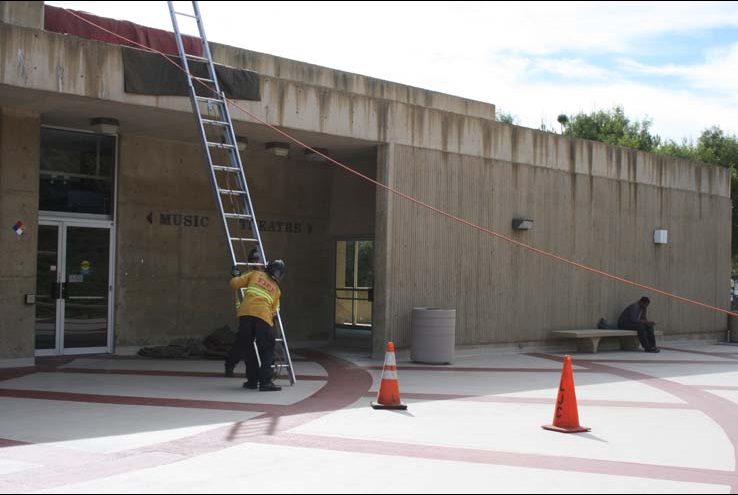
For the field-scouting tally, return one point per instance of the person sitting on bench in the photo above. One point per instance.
(634, 318)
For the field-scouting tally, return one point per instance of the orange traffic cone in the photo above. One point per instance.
(566, 417)
(389, 389)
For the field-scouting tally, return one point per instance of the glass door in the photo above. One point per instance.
(73, 311)
(47, 288)
(354, 284)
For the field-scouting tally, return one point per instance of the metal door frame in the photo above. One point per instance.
(62, 221)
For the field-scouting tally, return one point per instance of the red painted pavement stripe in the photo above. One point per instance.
(715, 387)
(6, 442)
(466, 369)
(11, 373)
(196, 374)
(538, 400)
(140, 401)
(534, 461)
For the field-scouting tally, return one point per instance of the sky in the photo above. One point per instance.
(674, 63)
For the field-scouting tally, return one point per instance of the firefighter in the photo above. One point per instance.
(254, 260)
(256, 324)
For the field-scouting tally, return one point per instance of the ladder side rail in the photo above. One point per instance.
(203, 137)
(178, 40)
(244, 185)
(291, 369)
(208, 55)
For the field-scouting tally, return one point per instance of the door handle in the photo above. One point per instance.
(58, 290)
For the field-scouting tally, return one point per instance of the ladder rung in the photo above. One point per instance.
(237, 215)
(207, 99)
(196, 57)
(221, 145)
(186, 14)
(202, 79)
(214, 122)
(232, 192)
(243, 239)
(223, 168)
(243, 263)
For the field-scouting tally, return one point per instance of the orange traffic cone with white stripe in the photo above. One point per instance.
(566, 416)
(389, 390)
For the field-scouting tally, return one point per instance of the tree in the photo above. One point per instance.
(714, 146)
(686, 149)
(612, 127)
(563, 119)
(506, 117)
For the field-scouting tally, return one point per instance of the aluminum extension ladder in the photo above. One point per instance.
(221, 154)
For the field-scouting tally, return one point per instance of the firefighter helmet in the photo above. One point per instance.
(275, 269)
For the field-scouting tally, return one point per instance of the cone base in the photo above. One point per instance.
(377, 405)
(572, 429)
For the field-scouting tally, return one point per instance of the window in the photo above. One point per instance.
(354, 283)
(77, 172)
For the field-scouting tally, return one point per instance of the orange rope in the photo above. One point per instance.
(428, 206)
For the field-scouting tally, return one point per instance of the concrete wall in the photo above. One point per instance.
(352, 199)
(28, 14)
(278, 70)
(173, 279)
(311, 98)
(294, 94)
(19, 169)
(588, 210)
(167, 282)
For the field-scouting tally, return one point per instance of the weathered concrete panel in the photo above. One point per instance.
(28, 14)
(19, 152)
(339, 81)
(311, 98)
(352, 200)
(167, 268)
(522, 145)
(501, 136)
(600, 162)
(173, 278)
(18, 321)
(18, 251)
(507, 294)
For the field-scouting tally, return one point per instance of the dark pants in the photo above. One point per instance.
(645, 333)
(252, 329)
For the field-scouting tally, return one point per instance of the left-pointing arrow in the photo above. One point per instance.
(149, 217)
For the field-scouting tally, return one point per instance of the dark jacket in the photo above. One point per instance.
(632, 316)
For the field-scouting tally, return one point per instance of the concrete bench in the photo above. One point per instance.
(589, 340)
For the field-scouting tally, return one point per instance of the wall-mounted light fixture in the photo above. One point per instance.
(278, 148)
(310, 155)
(660, 236)
(522, 224)
(242, 142)
(104, 125)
